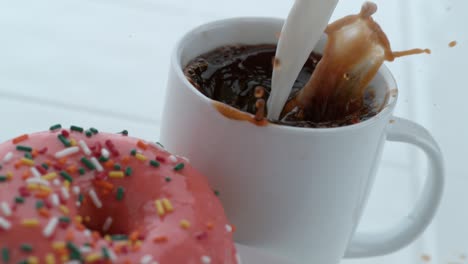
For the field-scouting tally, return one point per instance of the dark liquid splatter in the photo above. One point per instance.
(231, 75)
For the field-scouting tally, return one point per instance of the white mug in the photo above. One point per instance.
(295, 192)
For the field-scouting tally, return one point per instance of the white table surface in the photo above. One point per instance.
(104, 64)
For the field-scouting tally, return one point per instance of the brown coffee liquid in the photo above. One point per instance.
(233, 75)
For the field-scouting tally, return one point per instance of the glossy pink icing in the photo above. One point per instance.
(207, 240)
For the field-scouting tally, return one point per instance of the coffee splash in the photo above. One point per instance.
(356, 48)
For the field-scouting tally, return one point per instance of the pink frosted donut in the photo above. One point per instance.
(70, 195)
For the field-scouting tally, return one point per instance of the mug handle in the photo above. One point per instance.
(370, 244)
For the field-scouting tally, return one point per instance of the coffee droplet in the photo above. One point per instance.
(260, 114)
(453, 44)
(346, 76)
(276, 63)
(259, 92)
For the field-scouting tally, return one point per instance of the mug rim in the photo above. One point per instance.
(176, 65)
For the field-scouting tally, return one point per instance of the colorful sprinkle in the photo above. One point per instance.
(117, 167)
(26, 247)
(159, 207)
(93, 257)
(30, 222)
(88, 163)
(120, 193)
(20, 139)
(19, 199)
(39, 204)
(116, 174)
(75, 253)
(168, 179)
(23, 148)
(141, 157)
(155, 163)
(128, 171)
(228, 228)
(66, 176)
(50, 227)
(133, 152)
(81, 171)
(67, 152)
(27, 162)
(55, 127)
(160, 239)
(64, 140)
(124, 132)
(50, 259)
(142, 145)
(88, 133)
(119, 237)
(77, 129)
(179, 167)
(50, 176)
(94, 130)
(5, 255)
(185, 224)
(167, 205)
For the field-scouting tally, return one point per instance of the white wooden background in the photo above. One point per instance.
(103, 63)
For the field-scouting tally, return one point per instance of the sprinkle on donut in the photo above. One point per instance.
(78, 195)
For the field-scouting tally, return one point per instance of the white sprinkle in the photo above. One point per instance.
(229, 228)
(112, 255)
(107, 224)
(38, 181)
(5, 208)
(56, 182)
(8, 157)
(50, 227)
(238, 259)
(65, 193)
(4, 224)
(73, 262)
(85, 249)
(206, 260)
(97, 164)
(172, 158)
(76, 190)
(105, 153)
(35, 172)
(54, 199)
(85, 147)
(97, 202)
(67, 152)
(87, 233)
(146, 259)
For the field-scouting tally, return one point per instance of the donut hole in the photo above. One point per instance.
(111, 219)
